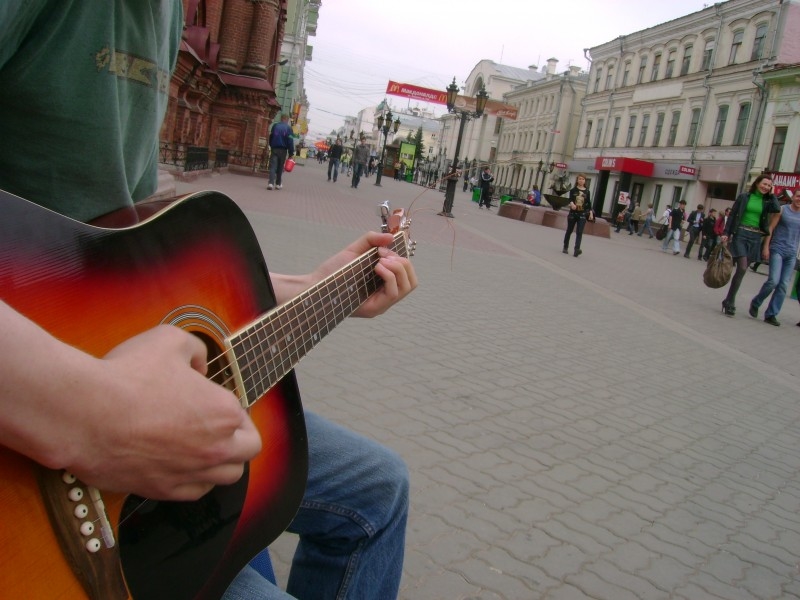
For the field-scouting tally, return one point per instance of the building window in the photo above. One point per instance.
(631, 127)
(694, 127)
(656, 66)
(609, 78)
(588, 133)
(656, 197)
(614, 133)
(642, 68)
(719, 126)
(626, 73)
(597, 78)
(741, 124)
(738, 36)
(643, 130)
(758, 42)
(670, 64)
(598, 136)
(673, 128)
(687, 60)
(659, 127)
(708, 53)
(776, 152)
(677, 191)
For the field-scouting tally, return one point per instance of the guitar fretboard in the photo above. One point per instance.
(269, 348)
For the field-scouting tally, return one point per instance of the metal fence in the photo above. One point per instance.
(197, 158)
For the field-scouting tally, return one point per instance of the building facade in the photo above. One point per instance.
(480, 138)
(536, 148)
(222, 98)
(674, 111)
(301, 23)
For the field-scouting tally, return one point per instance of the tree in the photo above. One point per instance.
(417, 141)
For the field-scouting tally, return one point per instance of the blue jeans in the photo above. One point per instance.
(781, 269)
(647, 227)
(277, 159)
(351, 523)
(358, 170)
(333, 165)
(676, 241)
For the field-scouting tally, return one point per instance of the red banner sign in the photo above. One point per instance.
(415, 92)
(785, 181)
(687, 170)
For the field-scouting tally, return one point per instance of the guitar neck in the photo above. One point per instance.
(267, 349)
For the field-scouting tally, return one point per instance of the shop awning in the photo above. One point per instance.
(624, 165)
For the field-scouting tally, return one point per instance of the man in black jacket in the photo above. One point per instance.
(334, 156)
(695, 228)
(486, 183)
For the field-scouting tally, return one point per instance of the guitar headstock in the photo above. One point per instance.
(396, 223)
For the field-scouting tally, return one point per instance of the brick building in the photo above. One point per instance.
(222, 96)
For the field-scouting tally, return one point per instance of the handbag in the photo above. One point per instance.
(289, 165)
(661, 233)
(719, 268)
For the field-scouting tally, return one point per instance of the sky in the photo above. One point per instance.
(362, 44)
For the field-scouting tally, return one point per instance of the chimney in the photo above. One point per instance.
(533, 67)
(551, 65)
(574, 70)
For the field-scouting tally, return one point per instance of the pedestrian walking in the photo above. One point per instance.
(695, 228)
(636, 217)
(648, 220)
(746, 229)
(580, 211)
(360, 159)
(486, 184)
(334, 156)
(780, 251)
(281, 145)
(676, 217)
(709, 237)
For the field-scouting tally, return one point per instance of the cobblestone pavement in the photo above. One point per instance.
(586, 427)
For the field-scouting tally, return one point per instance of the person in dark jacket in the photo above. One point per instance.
(580, 211)
(281, 145)
(334, 156)
(746, 230)
(486, 183)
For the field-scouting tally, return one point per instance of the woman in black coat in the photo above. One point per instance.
(580, 211)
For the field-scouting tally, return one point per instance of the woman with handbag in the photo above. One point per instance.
(780, 251)
(746, 229)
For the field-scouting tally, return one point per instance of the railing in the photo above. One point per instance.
(197, 158)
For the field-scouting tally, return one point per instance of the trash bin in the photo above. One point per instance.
(476, 194)
(409, 175)
(505, 198)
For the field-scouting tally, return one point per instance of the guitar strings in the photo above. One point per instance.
(364, 263)
(367, 258)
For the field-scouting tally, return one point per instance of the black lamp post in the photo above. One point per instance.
(384, 125)
(464, 115)
(543, 170)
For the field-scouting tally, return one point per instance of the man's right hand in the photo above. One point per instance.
(143, 419)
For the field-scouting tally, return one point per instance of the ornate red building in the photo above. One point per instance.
(222, 98)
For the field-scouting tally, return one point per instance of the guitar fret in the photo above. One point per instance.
(269, 348)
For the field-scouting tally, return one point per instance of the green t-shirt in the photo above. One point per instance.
(752, 212)
(84, 85)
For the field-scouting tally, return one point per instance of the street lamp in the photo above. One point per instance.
(464, 115)
(544, 169)
(384, 124)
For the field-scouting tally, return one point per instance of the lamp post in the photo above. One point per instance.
(384, 124)
(543, 170)
(464, 116)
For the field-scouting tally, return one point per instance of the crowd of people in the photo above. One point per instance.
(759, 228)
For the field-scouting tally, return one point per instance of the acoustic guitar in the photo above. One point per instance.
(193, 263)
